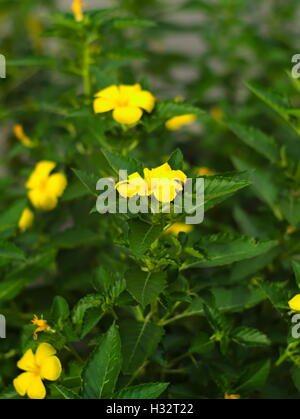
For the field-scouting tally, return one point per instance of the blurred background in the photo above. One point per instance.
(200, 50)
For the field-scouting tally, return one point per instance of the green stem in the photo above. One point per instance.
(86, 70)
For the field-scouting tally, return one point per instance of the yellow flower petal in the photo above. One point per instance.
(42, 200)
(51, 368)
(36, 389)
(77, 10)
(166, 190)
(110, 92)
(102, 104)
(127, 90)
(179, 121)
(143, 99)
(40, 172)
(56, 184)
(294, 303)
(177, 228)
(26, 219)
(27, 362)
(43, 351)
(127, 115)
(21, 136)
(22, 382)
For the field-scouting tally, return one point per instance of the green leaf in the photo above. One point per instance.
(119, 162)
(145, 286)
(258, 140)
(142, 391)
(167, 109)
(139, 341)
(248, 336)
(88, 180)
(218, 188)
(10, 251)
(74, 237)
(65, 392)
(59, 310)
(142, 235)
(224, 249)
(263, 179)
(85, 303)
(254, 377)
(176, 160)
(103, 367)
(296, 268)
(11, 288)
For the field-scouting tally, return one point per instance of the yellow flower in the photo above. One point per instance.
(21, 136)
(26, 219)
(216, 113)
(179, 121)
(163, 182)
(42, 325)
(291, 230)
(231, 396)
(126, 101)
(294, 303)
(177, 228)
(135, 184)
(205, 171)
(45, 189)
(42, 365)
(77, 10)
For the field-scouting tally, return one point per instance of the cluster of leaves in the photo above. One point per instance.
(135, 312)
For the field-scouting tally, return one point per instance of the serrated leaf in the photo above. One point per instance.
(142, 391)
(248, 336)
(254, 377)
(258, 140)
(167, 109)
(103, 367)
(66, 392)
(141, 235)
(223, 249)
(119, 162)
(176, 160)
(139, 341)
(145, 286)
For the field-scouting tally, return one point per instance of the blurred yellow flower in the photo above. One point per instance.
(205, 171)
(42, 325)
(21, 136)
(294, 303)
(126, 101)
(26, 219)
(216, 113)
(179, 121)
(231, 396)
(162, 181)
(291, 230)
(44, 189)
(77, 6)
(177, 228)
(42, 365)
